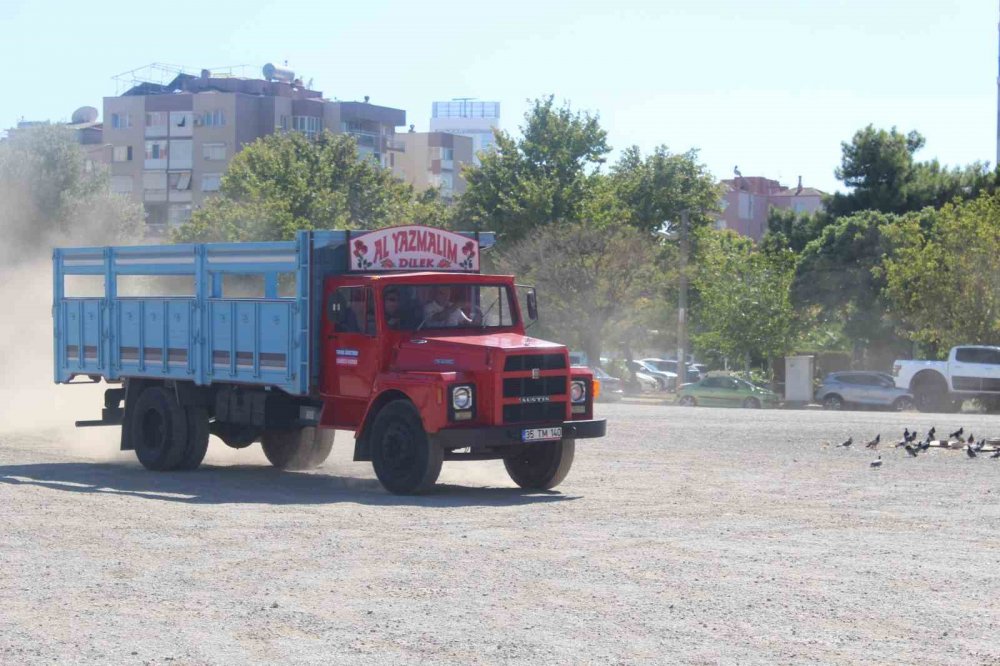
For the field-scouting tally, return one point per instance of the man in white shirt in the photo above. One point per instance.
(441, 312)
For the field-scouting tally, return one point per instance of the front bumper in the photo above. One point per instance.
(510, 435)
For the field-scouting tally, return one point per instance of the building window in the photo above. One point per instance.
(181, 123)
(178, 214)
(213, 151)
(121, 120)
(308, 125)
(216, 118)
(121, 184)
(157, 123)
(447, 153)
(154, 180)
(210, 182)
(180, 181)
(282, 123)
(156, 155)
(121, 153)
(181, 154)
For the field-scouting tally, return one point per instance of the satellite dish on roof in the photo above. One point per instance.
(85, 114)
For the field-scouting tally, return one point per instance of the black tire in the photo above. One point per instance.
(197, 444)
(751, 403)
(930, 394)
(235, 436)
(297, 448)
(687, 401)
(158, 429)
(833, 402)
(902, 404)
(541, 466)
(405, 460)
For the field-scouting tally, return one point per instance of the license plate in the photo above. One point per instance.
(541, 434)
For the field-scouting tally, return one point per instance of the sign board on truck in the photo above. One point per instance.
(413, 248)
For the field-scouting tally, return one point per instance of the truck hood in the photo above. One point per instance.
(466, 352)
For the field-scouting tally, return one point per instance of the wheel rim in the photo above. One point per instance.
(398, 450)
(833, 403)
(904, 404)
(153, 432)
(751, 403)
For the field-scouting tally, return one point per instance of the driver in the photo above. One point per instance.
(441, 311)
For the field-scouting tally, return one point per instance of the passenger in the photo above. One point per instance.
(392, 307)
(442, 311)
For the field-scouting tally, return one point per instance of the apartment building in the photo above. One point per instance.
(433, 159)
(467, 117)
(169, 144)
(748, 201)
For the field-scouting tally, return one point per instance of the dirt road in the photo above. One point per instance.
(685, 536)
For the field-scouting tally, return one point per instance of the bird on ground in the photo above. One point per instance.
(874, 443)
(996, 454)
(930, 434)
(924, 445)
(912, 451)
(980, 445)
(971, 452)
(850, 440)
(906, 434)
(971, 439)
(876, 463)
(957, 434)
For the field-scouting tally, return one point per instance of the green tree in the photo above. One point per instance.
(744, 309)
(285, 182)
(544, 177)
(657, 188)
(50, 196)
(879, 168)
(943, 280)
(595, 283)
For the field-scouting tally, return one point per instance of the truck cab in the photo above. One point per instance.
(393, 335)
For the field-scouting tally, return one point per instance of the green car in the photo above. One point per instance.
(726, 392)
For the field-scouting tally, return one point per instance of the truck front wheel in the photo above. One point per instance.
(158, 429)
(930, 394)
(297, 448)
(541, 466)
(406, 462)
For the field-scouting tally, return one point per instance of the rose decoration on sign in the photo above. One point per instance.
(360, 250)
(469, 249)
(444, 263)
(387, 263)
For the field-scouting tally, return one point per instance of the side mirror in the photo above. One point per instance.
(532, 302)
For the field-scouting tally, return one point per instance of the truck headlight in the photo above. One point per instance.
(461, 397)
(578, 391)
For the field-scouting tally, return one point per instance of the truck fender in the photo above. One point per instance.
(362, 445)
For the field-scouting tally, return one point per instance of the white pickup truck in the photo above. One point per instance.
(940, 386)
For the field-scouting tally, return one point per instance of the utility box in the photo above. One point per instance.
(799, 372)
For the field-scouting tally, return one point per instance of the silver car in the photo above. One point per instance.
(870, 389)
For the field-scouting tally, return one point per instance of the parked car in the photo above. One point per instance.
(723, 391)
(612, 388)
(872, 389)
(971, 371)
(667, 365)
(667, 380)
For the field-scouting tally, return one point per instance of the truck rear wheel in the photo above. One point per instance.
(158, 429)
(541, 466)
(197, 443)
(297, 448)
(406, 462)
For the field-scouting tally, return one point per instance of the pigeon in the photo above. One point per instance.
(971, 452)
(850, 440)
(996, 454)
(971, 439)
(912, 451)
(957, 434)
(923, 446)
(906, 434)
(875, 464)
(930, 434)
(980, 445)
(874, 443)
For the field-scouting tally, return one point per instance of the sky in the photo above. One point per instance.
(773, 87)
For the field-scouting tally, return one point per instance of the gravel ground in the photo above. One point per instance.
(686, 536)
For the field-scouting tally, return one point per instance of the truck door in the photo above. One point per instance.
(351, 353)
(967, 369)
(991, 364)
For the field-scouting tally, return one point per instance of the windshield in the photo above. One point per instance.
(412, 307)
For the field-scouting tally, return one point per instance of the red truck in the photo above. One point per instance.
(391, 334)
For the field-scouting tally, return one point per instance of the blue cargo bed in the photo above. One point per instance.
(202, 336)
